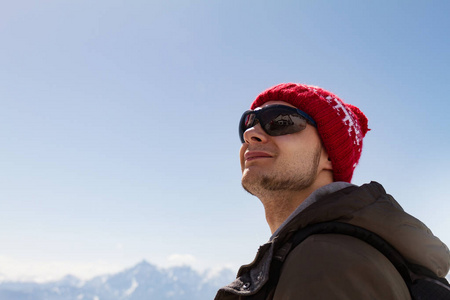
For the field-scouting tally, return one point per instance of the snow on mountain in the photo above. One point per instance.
(143, 281)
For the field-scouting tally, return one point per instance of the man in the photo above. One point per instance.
(300, 145)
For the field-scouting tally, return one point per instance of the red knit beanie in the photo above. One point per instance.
(341, 126)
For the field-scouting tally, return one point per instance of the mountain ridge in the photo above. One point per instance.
(139, 282)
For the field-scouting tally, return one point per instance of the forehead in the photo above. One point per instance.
(273, 102)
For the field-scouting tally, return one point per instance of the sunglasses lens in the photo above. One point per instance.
(282, 121)
(247, 121)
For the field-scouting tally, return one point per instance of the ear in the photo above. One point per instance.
(325, 161)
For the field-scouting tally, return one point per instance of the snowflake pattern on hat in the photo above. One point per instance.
(349, 120)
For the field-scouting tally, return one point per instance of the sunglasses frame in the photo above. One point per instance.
(257, 118)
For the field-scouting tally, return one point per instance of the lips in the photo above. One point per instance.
(252, 155)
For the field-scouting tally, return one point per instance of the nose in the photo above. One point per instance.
(255, 135)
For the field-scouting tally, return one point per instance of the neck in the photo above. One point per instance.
(279, 205)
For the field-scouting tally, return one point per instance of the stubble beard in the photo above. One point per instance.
(284, 181)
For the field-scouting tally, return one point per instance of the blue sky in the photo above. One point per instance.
(118, 121)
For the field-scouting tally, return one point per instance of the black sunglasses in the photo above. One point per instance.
(275, 120)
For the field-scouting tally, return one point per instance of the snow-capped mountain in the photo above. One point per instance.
(141, 282)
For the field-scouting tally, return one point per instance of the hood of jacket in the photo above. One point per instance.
(368, 206)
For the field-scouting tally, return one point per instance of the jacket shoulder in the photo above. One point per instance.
(334, 266)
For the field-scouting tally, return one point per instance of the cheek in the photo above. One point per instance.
(289, 145)
(295, 147)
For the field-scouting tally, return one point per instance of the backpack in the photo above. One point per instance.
(421, 282)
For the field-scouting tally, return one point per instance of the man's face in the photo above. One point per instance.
(286, 162)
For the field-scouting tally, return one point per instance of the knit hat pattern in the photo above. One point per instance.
(341, 126)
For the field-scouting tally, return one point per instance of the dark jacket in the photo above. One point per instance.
(332, 266)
